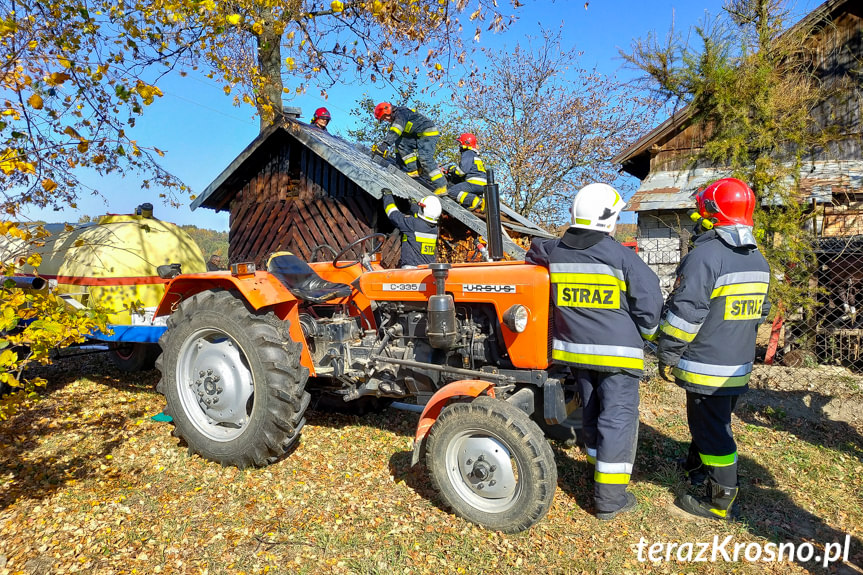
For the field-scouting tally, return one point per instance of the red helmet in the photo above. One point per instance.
(727, 202)
(383, 109)
(321, 113)
(467, 140)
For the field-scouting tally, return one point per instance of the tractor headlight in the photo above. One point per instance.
(515, 318)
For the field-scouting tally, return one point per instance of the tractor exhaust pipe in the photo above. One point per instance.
(441, 330)
(492, 218)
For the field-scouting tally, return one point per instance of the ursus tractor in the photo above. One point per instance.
(246, 350)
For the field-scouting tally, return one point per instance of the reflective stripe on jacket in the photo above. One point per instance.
(711, 318)
(606, 301)
(408, 122)
(419, 237)
(471, 168)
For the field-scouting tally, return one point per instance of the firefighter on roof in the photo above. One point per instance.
(469, 174)
(419, 230)
(415, 138)
(707, 336)
(606, 302)
(321, 118)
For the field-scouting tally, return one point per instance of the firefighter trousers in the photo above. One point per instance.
(610, 428)
(417, 153)
(467, 194)
(713, 447)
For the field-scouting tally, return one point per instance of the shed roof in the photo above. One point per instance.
(356, 163)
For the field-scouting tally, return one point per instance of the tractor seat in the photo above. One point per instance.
(302, 281)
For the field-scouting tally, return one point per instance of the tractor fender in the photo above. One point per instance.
(260, 290)
(461, 388)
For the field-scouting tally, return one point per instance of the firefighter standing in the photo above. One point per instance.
(415, 138)
(606, 301)
(321, 118)
(707, 336)
(419, 230)
(470, 175)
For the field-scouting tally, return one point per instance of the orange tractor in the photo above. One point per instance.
(245, 350)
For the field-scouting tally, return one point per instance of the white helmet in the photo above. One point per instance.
(596, 207)
(430, 209)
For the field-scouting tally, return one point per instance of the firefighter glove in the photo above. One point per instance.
(665, 372)
(381, 148)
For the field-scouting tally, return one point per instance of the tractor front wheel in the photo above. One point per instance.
(232, 380)
(491, 464)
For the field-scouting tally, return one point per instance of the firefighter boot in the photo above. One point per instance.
(718, 506)
(628, 506)
(696, 475)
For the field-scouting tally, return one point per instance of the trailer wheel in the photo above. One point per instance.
(131, 357)
(232, 380)
(491, 464)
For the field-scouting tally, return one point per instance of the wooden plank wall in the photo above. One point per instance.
(297, 201)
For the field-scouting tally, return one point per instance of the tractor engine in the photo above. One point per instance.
(404, 355)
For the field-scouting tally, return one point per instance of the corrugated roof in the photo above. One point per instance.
(356, 163)
(672, 190)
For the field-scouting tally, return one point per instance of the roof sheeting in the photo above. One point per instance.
(356, 163)
(672, 190)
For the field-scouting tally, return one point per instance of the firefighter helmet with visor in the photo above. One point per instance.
(727, 202)
(430, 209)
(596, 207)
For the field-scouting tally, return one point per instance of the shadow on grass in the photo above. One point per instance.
(803, 414)
(40, 477)
(766, 509)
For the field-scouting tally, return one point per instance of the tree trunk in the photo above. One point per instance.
(270, 65)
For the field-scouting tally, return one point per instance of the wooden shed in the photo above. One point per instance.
(296, 187)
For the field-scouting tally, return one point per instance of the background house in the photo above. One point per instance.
(832, 179)
(296, 187)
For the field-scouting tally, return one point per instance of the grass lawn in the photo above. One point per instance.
(89, 483)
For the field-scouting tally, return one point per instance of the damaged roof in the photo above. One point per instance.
(356, 163)
(672, 190)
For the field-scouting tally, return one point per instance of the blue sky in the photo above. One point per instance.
(201, 132)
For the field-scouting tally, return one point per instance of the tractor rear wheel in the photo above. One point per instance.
(232, 380)
(491, 464)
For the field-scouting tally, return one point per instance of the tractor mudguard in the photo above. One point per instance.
(462, 388)
(260, 290)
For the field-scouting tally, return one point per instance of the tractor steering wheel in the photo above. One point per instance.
(356, 243)
(320, 248)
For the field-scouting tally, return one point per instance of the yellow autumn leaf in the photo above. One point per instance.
(35, 101)
(438, 66)
(65, 62)
(289, 62)
(48, 184)
(57, 78)
(337, 6)
(234, 19)
(34, 260)
(258, 28)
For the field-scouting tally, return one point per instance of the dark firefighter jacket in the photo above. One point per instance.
(605, 300)
(710, 319)
(419, 236)
(407, 122)
(471, 168)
